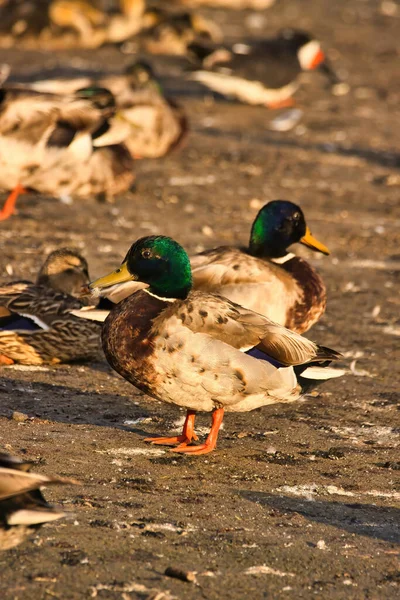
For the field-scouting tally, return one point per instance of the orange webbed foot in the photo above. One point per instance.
(194, 450)
(182, 440)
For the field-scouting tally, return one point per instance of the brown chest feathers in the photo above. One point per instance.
(311, 306)
(126, 341)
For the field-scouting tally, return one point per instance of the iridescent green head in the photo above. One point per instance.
(158, 261)
(278, 225)
(100, 97)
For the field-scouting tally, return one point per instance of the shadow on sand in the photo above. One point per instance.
(362, 519)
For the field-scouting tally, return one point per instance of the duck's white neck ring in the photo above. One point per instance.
(159, 297)
(282, 259)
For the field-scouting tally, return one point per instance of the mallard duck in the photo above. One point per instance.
(199, 350)
(149, 124)
(166, 32)
(265, 277)
(146, 121)
(60, 24)
(47, 144)
(36, 324)
(260, 72)
(23, 508)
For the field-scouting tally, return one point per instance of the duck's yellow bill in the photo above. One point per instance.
(120, 275)
(309, 240)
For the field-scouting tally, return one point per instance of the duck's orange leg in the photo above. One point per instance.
(211, 441)
(183, 440)
(9, 205)
(287, 103)
(4, 360)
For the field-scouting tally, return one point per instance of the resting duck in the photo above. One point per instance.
(166, 32)
(36, 326)
(23, 508)
(48, 144)
(265, 277)
(60, 24)
(264, 71)
(199, 350)
(146, 121)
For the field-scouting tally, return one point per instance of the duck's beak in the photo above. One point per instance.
(121, 275)
(309, 240)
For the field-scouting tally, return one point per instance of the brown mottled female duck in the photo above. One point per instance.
(265, 277)
(36, 324)
(199, 350)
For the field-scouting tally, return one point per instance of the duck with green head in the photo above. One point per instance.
(265, 277)
(199, 350)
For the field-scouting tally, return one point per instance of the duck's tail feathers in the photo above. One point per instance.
(327, 354)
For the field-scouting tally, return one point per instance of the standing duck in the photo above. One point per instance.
(47, 144)
(23, 509)
(265, 277)
(199, 350)
(261, 71)
(36, 324)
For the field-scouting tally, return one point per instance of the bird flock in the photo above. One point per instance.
(218, 331)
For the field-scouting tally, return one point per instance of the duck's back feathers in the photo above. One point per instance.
(258, 284)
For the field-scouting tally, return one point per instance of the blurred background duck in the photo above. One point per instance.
(266, 277)
(62, 24)
(234, 4)
(48, 144)
(146, 121)
(36, 325)
(23, 508)
(166, 32)
(263, 71)
(199, 350)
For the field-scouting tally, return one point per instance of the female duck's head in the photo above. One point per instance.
(158, 261)
(278, 225)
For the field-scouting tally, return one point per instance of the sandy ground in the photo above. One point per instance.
(299, 501)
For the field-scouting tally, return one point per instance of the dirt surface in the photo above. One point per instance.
(309, 492)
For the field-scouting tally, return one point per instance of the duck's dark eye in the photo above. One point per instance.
(146, 253)
(296, 216)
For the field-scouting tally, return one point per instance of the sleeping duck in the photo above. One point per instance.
(146, 121)
(47, 144)
(60, 24)
(166, 32)
(23, 508)
(199, 350)
(262, 71)
(265, 277)
(36, 326)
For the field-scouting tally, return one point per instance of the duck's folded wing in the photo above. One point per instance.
(37, 303)
(229, 266)
(243, 329)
